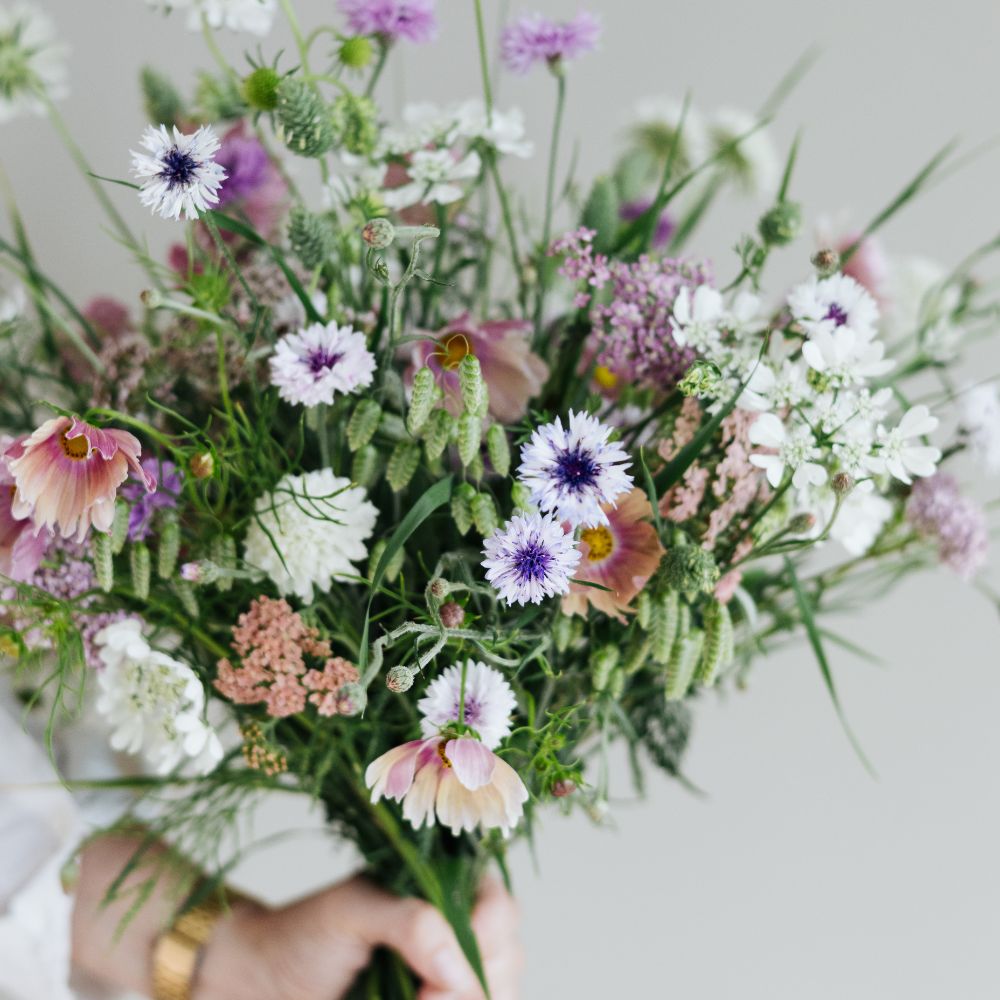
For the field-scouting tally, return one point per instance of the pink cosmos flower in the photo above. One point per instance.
(460, 781)
(621, 555)
(67, 473)
(21, 547)
(512, 372)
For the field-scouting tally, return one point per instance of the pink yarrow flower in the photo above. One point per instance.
(67, 473)
(413, 20)
(534, 38)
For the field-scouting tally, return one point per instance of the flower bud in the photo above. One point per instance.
(781, 224)
(378, 233)
(452, 615)
(151, 298)
(260, 88)
(303, 119)
(842, 483)
(439, 588)
(702, 381)
(202, 465)
(802, 523)
(826, 262)
(351, 699)
(400, 678)
(356, 52)
(563, 787)
(310, 237)
(192, 572)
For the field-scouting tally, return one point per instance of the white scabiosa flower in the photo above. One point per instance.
(310, 531)
(153, 703)
(794, 449)
(179, 174)
(489, 702)
(979, 418)
(752, 161)
(530, 558)
(900, 452)
(252, 16)
(698, 318)
(32, 62)
(572, 471)
(833, 305)
(315, 364)
(435, 176)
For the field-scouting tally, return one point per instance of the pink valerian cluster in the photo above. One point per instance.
(737, 482)
(581, 264)
(533, 39)
(272, 643)
(938, 510)
(413, 20)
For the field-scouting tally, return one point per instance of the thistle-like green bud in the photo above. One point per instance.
(602, 663)
(689, 568)
(310, 237)
(718, 626)
(702, 381)
(168, 548)
(378, 233)
(438, 433)
(355, 123)
(421, 400)
(366, 466)
(260, 88)
(781, 224)
(470, 380)
(104, 567)
(119, 527)
(303, 119)
(162, 102)
(140, 564)
(499, 449)
(470, 435)
(461, 507)
(185, 594)
(679, 678)
(664, 621)
(520, 496)
(484, 514)
(402, 464)
(356, 52)
(363, 424)
(400, 678)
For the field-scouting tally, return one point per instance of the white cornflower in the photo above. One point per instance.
(489, 702)
(899, 455)
(753, 160)
(530, 558)
(794, 449)
(979, 418)
(697, 319)
(314, 365)
(833, 305)
(844, 357)
(32, 62)
(572, 471)
(310, 531)
(434, 177)
(154, 703)
(253, 16)
(503, 130)
(656, 122)
(179, 174)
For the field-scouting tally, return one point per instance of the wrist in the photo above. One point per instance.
(226, 968)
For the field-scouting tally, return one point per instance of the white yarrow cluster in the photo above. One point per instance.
(154, 704)
(310, 531)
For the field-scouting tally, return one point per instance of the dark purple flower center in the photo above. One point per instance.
(837, 314)
(532, 561)
(178, 168)
(320, 361)
(576, 470)
(473, 711)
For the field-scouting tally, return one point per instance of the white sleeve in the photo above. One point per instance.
(40, 827)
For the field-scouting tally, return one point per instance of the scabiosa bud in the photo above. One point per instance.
(104, 569)
(484, 514)
(378, 233)
(461, 507)
(499, 449)
(842, 484)
(689, 568)
(355, 123)
(563, 788)
(355, 52)
(303, 118)
(260, 89)
(470, 380)
(452, 615)
(780, 225)
(351, 699)
(826, 262)
(402, 464)
(421, 400)
(400, 678)
(202, 466)
(310, 237)
(702, 381)
(140, 564)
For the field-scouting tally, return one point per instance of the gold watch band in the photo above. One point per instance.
(178, 949)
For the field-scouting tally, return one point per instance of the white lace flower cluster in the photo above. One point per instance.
(154, 704)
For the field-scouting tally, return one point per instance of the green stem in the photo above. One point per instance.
(484, 60)
(216, 52)
(300, 41)
(223, 248)
(550, 195)
(508, 224)
(321, 433)
(383, 54)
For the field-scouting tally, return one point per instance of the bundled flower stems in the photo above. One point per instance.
(416, 498)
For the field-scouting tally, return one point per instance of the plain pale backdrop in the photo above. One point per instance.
(799, 876)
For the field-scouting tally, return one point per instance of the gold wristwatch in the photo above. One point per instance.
(177, 951)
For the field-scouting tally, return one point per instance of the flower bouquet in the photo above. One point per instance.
(415, 496)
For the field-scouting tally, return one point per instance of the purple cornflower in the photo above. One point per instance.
(145, 505)
(413, 20)
(534, 38)
(665, 227)
(938, 510)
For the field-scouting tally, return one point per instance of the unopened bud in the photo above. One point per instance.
(826, 261)
(702, 381)
(400, 679)
(452, 615)
(780, 225)
(192, 572)
(439, 588)
(151, 298)
(378, 233)
(802, 523)
(351, 699)
(842, 483)
(203, 465)
(356, 52)
(260, 88)
(563, 788)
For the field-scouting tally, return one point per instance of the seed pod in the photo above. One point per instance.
(637, 657)
(421, 400)
(687, 662)
(104, 568)
(168, 549)
(402, 465)
(303, 119)
(119, 527)
(139, 556)
(602, 663)
(310, 237)
(718, 627)
(438, 433)
(461, 507)
(470, 380)
(363, 423)
(484, 514)
(366, 466)
(644, 609)
(185, 594)
(470, 436)
(663, 625)
(499, 449)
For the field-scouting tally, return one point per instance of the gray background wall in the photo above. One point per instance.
(798, 876)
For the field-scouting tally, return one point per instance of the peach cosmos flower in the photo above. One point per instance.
(67, 473)
(512, 372)
(460, 780)
(621, 555)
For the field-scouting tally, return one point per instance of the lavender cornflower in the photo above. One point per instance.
(313, 365)
(572, 471)
(413, 20)
(533, 39)
(531, 557)
(938, 510)
(144, 505)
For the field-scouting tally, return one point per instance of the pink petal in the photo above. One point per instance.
(473, 762)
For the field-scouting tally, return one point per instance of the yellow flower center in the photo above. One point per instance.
(600, 542)
(452, 349)
(605, 377)
(75, 448)
(441, 754)
(8, 648)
